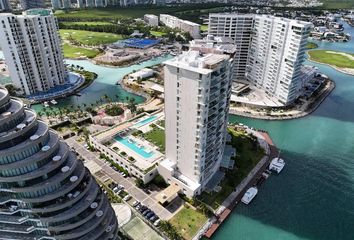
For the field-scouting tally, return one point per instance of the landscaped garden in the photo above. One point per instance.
(114, 110)
(188, 221)
(311, 45)
(157, 137)
(249, 153)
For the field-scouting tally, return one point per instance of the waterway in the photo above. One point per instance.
(105, 84)
(313, 198)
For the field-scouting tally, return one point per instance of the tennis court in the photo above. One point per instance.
(139, 230)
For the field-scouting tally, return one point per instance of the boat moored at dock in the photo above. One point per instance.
(276, 165)
(249, 195)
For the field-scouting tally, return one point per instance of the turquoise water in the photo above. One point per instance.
(145, 121)
(133, 146)
(104, 84)
(313, 197)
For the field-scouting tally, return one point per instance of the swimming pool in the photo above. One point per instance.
(145, 121)
(131, 144)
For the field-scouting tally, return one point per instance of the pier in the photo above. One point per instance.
(253, 177)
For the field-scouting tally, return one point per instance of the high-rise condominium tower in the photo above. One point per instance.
(32, 50)
(45, 192)
(28, 4)
(272, 51)
(198, 87)
(5, 5)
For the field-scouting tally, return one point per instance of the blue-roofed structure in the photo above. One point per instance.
(141, 43)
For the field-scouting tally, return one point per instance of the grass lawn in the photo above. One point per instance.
(335, 59)
(157, 34)
(90, 38)
(188, 221)
(249, 153)
(204, 28)
(157, 137)
(74, 52)
(337, 4)
(311, 45)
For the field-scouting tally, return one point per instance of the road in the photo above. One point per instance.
(128, 183)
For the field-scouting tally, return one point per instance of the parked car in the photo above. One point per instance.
(153, 218)
(146, 191)
(157, 222)
(146, 212)
(150, 214)
(127, 198)
(136, 203)
(116, 189)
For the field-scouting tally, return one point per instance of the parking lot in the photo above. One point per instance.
(97, 165)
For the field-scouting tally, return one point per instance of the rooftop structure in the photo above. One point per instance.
(45, 191)
(198, 87)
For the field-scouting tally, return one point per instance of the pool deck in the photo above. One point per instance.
(140, 161)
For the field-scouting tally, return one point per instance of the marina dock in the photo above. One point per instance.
(231, 202)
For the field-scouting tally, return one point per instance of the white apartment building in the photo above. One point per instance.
(239, 28)
(5, 5)
(198, 87)
(186, 26)
(32, 50)
(151, 20)
(272, 51)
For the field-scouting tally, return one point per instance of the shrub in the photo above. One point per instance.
(114, 110)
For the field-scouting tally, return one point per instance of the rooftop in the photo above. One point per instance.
(197, 62)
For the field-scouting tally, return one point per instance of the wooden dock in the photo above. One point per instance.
(220, 218)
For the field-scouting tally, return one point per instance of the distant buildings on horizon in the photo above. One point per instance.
(270, 51)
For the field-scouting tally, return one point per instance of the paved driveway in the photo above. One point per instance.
(128, 183)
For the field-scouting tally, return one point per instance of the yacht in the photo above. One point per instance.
(276, 165)
(46, 104)
(53, 102)
(249, 195)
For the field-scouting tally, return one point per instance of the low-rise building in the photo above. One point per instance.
(133, 153)
(141, 74)
(151, 20)
(186, 26)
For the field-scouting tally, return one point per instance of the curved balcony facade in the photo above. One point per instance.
(45, 192)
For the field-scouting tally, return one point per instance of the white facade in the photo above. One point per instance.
(198, 87)
(151, 20)
(239, 28)
(32, 50)
(272, 51)
(4, 5)
(186, 26)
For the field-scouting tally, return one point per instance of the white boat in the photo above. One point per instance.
(276, 165)
(46, 104)
(249, 195)
(53, 102)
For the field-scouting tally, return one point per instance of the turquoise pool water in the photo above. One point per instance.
(133, 146)
(145, 121)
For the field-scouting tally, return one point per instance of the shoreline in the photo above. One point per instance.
(342, 70)
(232, 201)
(312, 106)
